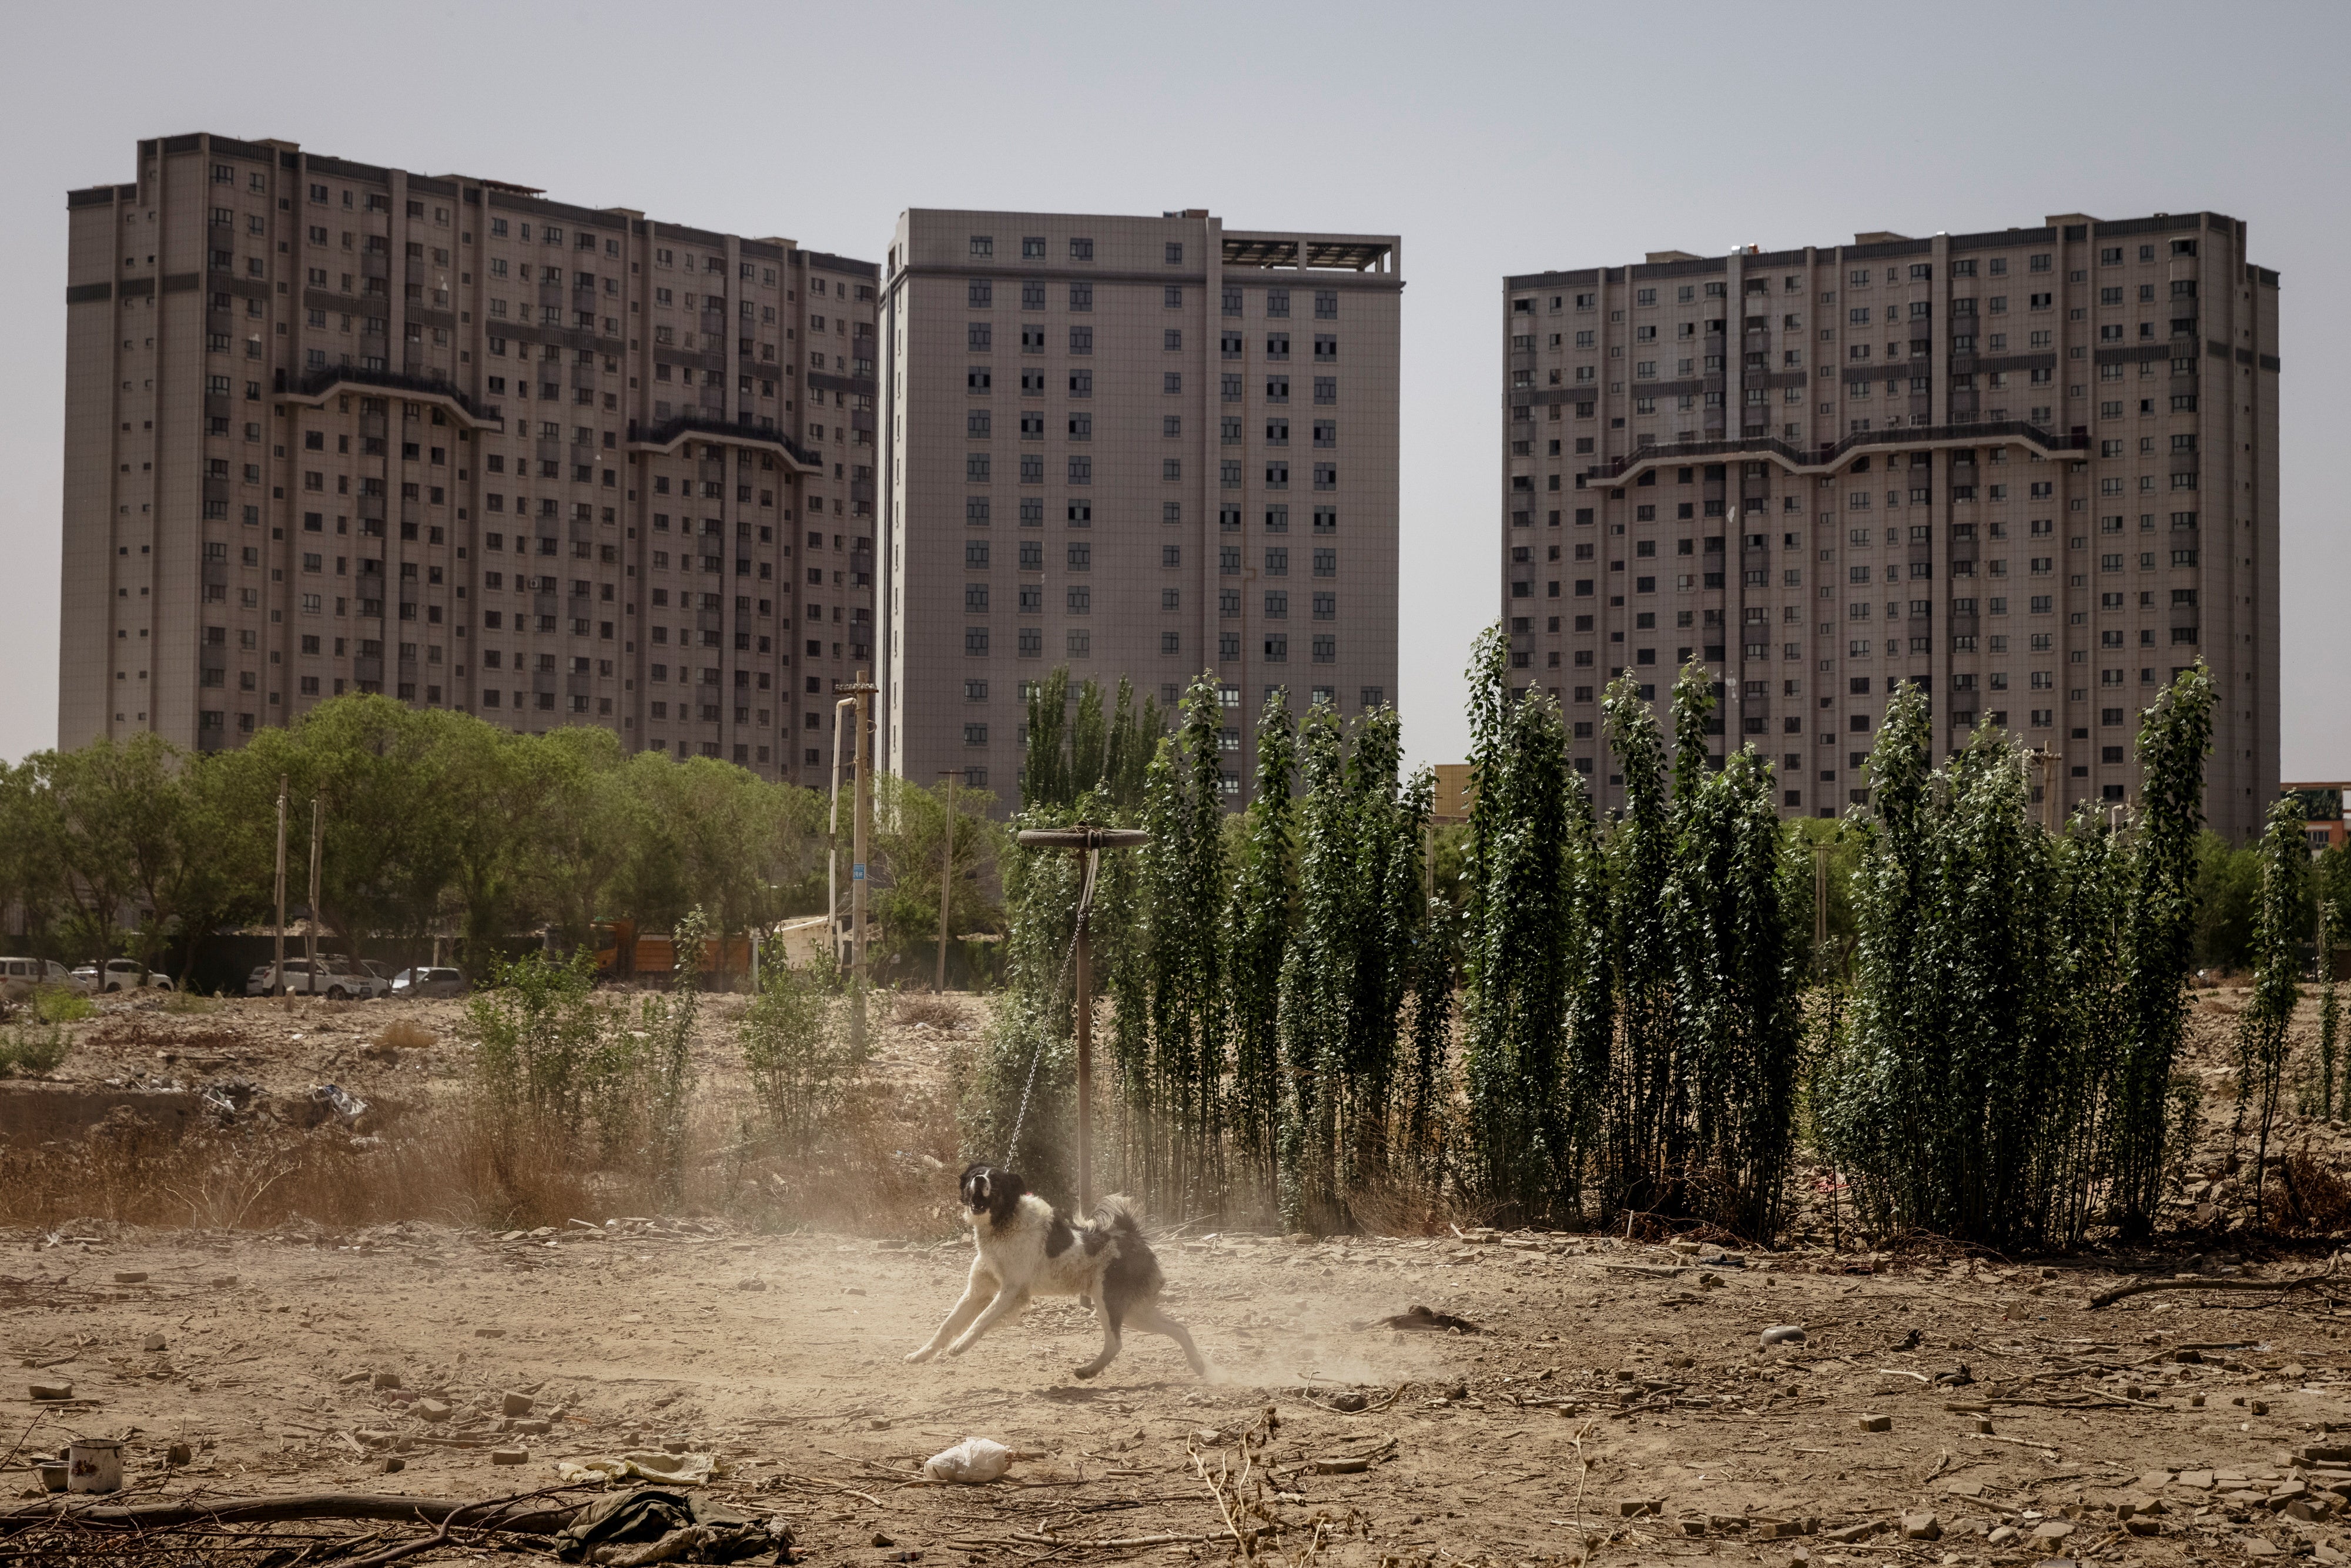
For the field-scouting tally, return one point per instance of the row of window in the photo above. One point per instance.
(1030, 643)
(1032, 248)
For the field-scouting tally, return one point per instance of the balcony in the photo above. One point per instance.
(1829, 456)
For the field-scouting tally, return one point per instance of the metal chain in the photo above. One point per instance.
(1085, 902)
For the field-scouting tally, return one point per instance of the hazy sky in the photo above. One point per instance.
(1495, 139)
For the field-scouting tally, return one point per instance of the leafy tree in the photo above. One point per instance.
(1181, 1110)
(2262, 1039)
(1523, 1121)
(912, 830)
(2165, 886)
(1256, 921)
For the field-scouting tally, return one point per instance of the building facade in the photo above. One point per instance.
(333, 427)
(1142, 447)
(2034, 471)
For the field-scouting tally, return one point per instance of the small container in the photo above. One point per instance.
(53, 1475)
(94, 1465)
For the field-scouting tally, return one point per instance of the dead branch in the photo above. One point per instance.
(309, 1505)
(2141, 1287)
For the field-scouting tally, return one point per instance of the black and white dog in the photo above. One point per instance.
(1026, 1248)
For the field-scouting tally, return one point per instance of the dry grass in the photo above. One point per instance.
(885, 1167)
(403, 1034)
(2317, 1200)
(939, 1011)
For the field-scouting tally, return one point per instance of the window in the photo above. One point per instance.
(982, 244)
(1081, 250)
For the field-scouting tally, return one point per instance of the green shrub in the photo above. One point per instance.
(36, 1052)
(794, 1049)
(62, 1004)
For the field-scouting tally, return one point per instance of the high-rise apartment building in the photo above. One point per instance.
(331, 427)
(1139, 447)
(2034, 471)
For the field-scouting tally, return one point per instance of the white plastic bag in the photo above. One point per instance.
(973, 1460)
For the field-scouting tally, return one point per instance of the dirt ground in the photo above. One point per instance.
(1612, 1401)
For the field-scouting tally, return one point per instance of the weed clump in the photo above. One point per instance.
(35, 1052)
(402, 1035)
(62, 1004)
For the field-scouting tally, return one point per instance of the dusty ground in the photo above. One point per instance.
(1616, 1403)
(1597, 1387)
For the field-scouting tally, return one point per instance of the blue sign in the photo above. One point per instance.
(858, 874)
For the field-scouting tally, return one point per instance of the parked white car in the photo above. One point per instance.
(122, 975)
(20, 977)
(417, 984)
(333, 979)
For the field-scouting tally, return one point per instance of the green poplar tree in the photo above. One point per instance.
(1256, 933)
(2262, 1039)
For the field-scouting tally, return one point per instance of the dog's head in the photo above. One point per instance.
(990, 1192)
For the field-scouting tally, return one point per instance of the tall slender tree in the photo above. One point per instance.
(2262, 1037)
(2174, 736)
(1257, 934)
(1521, 1124)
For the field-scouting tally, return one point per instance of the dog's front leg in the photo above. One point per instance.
(976, 1294)
(1007, 1302)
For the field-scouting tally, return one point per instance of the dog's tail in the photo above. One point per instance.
(1120, 1213)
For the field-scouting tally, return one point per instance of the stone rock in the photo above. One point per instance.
(179, 1454)
(1846, 1535)
(1783, 1333)
(433, 1409)
(2000, 1535)
(751, 1284)
(535, 1426)
(393, 1464)
(348, 1379)
(385, 1379)
(2052, 1530)
(152, 1342)
(489, 1333)
(130, 1276)
(509, 1456)
(2142, 1526)
(50, 1391)
(1921, 1527)
(1634, 1508)
(514, 1403)
(1876, 1423)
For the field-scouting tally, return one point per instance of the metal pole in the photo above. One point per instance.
(832, 847)
(947, 880)
(311, 932)
(1091, 842)
(281, 896)
(1820, 907)
(1086, 1056)
(863, 836)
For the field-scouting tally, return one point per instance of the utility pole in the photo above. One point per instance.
(310, 931)
(947, 880)
(832, 847)
(862, 835)
(281, 896)
(1820, 907)
(1090, 842)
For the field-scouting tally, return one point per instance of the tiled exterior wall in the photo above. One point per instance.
(2034, 469)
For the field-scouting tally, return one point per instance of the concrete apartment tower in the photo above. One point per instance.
(2034, 470)
(332, 426)
(1137, 446)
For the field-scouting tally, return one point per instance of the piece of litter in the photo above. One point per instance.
(972, 1461)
